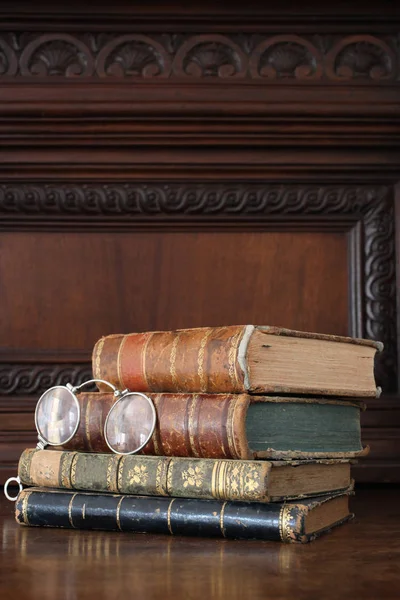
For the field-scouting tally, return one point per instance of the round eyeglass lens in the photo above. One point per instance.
(57, 415)
(130, 423)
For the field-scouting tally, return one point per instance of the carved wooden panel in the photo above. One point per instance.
(372, 304)
(271, 58)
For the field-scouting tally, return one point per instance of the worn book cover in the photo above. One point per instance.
(237, 359)
(236, 426)
(250, 481)
(297, 521)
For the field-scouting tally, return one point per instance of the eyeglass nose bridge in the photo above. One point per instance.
(120, 394)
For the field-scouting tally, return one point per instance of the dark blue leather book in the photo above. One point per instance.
(299, 521)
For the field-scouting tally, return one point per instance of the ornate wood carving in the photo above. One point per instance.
(125, 205)
(26, 379)
(271, 58)
(379, 286)
(186, 199)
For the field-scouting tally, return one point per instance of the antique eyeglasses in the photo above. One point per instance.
(127, 429)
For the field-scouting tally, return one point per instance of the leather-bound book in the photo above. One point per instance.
(236, 426)
(237, 359)
(250, 481)
(299, 521)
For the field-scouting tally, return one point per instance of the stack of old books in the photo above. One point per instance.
(255, 428)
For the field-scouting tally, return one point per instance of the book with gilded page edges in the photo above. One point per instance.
(238, 359)
(250, 481)
(236, 426)
(299, 521)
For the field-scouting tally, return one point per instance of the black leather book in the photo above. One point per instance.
(299, 521)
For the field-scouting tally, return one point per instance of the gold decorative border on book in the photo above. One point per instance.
(167, 470)
(113, 473)
(24, 466)
(118, 513)
(73, 468)
(169, 516)
(25, 507)
(70, 510)
(218, 480)
(232, 480)
(224, 480)
(120, 473)
(221, 519)
(214, 479)
(65, 469)
(110, 465)
(160, 477)
(284, 523)
(200, 360)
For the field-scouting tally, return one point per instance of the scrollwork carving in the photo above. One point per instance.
(130, 204)
(289, 57)
(184, 198)
(133, 56)
(380, 286)
(210, 56)
(27, 379)
(271, 58)
(60, 55)
(8, 59)
(361, 57)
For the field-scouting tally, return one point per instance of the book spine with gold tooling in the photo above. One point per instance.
(147, 475)
(177, 516)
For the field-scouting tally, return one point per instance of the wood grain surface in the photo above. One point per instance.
(357, 561)
(104, 283)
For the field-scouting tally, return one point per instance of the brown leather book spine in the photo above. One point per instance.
(192, 425)
(188, 360)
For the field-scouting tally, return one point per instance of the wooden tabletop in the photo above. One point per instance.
(359, 560)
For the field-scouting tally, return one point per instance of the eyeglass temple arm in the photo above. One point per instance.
(78, 387)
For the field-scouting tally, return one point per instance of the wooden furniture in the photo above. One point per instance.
(166, 165)
(358, 560)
